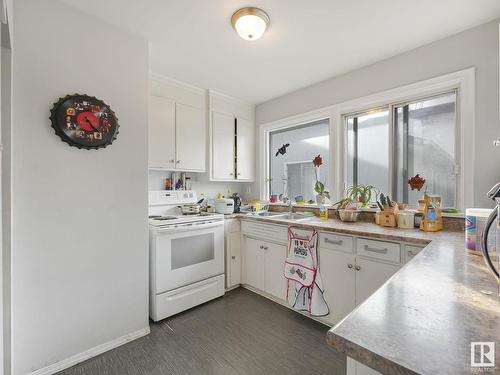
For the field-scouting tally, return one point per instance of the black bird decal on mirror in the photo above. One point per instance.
(282, 149)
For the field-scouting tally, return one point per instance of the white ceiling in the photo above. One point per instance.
(307, 42)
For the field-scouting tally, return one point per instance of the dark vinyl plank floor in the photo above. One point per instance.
(241, 333)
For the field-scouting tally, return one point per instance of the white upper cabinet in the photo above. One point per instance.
(190, 138)
(161, 132)
(232, 133)
(177, 126)
(245, 149)
(222, 146)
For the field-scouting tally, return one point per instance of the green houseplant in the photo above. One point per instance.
(358, 194)
(362, 194)
(319, 187)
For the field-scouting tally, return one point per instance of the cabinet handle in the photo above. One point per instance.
(350, 266)
(172, 161)
(261, 246)
(266, 248)
(230, 174)
(375, 250)
(239, 174)
(411, 253)
(178, 161)
(233, 257)
(339, 242)
(358, 268)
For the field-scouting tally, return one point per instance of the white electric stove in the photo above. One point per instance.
(186, 254)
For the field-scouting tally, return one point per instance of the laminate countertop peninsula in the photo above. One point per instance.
(424, 318)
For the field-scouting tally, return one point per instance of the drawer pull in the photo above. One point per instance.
(265, 248)
(339, 242)
(375, 250)
(233, 257)
(411, 253)
(261, 246)
(350, 266)
(358, 268)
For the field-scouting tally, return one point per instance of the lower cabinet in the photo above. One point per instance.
(233, 253)
(274, 280)
(356, 368)
(352, 268)
(264, 262)
(254, 263)
(348, 277)
(339, 281)
(371, 275)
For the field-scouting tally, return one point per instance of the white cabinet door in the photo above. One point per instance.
(275, 282)
(339, 276)
(222, 146)
(370, 275)
(245, 149)
(161, 124)
(254, 263)
(190, 128)
(234, 250)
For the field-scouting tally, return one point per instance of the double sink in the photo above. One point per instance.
(287, 216)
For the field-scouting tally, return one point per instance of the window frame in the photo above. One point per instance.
(265, 136)
(463, 81)
(392, 130)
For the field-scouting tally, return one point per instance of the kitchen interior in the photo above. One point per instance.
(250, 188)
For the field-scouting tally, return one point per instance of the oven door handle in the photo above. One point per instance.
(191, 226)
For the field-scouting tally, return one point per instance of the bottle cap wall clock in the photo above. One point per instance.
(84, 121)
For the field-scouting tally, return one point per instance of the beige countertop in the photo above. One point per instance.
(424, 318)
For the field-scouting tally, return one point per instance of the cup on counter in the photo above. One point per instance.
(406, 219)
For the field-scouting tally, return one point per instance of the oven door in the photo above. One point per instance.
(187, 253)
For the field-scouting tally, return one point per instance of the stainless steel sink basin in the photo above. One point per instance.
(265, 214)
(292, 216)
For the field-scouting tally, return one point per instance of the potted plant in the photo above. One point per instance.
(319, 187)
(362, 194)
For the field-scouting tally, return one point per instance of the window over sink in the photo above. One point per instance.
(291, 153)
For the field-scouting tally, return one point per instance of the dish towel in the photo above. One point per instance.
(304, 285)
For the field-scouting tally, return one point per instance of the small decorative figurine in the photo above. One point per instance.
(416, 182)
(282, 149)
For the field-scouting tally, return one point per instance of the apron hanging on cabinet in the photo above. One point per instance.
(304, 283)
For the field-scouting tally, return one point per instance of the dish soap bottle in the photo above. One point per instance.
(323, 212)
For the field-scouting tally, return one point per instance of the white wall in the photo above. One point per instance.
(6, 197)
(79, 224)
(478, 47)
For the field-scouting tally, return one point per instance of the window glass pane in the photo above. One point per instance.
(294, 170)
(426, 145)
(368, 149)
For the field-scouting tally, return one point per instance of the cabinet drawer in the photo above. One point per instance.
(272, 232)
(388, 251)
(336, 242)
(411, 251)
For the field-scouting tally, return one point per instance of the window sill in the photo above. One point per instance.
(459, 215)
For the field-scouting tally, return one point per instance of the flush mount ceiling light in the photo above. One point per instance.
(250, 23)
